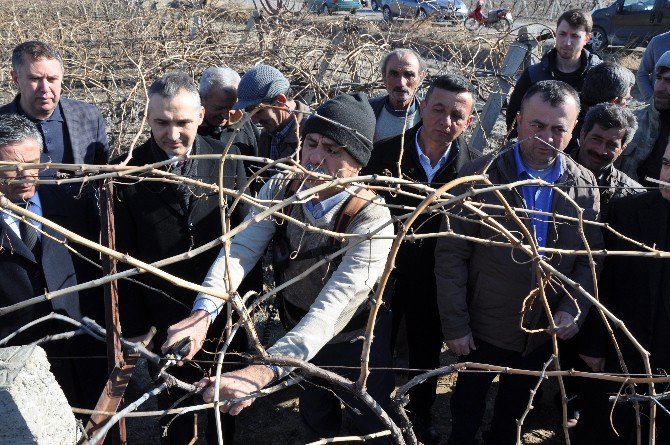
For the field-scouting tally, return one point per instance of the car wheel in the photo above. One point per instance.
(353, 10)
(599, 39)
(386, 14)
(421, 14)
(502, 25)
(471, 24)
(374, 4)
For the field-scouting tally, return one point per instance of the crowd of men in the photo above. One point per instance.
(576, 153)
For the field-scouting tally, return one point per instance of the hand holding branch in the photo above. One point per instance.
(194, 326)
(237, 384)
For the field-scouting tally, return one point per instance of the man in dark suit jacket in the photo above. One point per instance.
(73, 131)
(432, 154)
(637, 291)
(156, 220)
(33, 260)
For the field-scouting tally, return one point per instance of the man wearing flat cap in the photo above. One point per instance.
(280, 116)
(643, 156)
(326, 312)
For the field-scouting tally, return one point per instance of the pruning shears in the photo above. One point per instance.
(175, 354)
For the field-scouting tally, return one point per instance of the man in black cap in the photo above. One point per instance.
(325, 313)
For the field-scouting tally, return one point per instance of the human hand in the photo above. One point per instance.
(462, 346)
(236, 384)
(597, 364)
(194, 326)
(566, 328)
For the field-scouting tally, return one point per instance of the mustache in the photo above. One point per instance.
(316, 168)
(598, 156)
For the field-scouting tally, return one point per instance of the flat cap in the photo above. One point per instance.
(261, 83)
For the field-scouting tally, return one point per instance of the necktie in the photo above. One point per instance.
(29, 234)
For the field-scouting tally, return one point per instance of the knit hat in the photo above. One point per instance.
(664, 61)
(260, 83)
(354, 113)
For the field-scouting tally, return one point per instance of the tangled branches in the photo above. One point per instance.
(113, 49)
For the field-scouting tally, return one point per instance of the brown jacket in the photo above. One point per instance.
(482, 288)
(292, 140)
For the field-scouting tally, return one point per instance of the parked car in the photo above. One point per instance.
(454, 10)
(330, 6)
(629, 22)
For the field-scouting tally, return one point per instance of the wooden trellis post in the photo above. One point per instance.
(120, 366)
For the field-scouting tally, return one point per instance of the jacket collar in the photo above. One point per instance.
(459, 154)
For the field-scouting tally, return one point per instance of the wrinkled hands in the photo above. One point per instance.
(566, 328)
(236, 384)
(462, 346)
(194, 326)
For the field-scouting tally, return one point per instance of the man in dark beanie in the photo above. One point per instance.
(325, 312)
(430, 153)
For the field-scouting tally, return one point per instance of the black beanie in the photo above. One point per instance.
(354, 113)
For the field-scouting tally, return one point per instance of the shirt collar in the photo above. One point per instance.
(283, 131)
(34, 201)
(319, 208)
(56, 116)
(523, 172)
(426, 159)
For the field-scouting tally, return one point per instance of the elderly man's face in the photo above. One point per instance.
(174, 122)
(600, 147)
(324, 155)
(26, 151)
(551, 125)
(218, 105)
(662, 91)
(39, 83)
(445, 115)
(402, 77)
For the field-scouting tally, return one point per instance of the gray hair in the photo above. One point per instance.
(608, 116)
(605, 82)
(15, 129)
(223, 78)
(400, 53)
(171, 84)
(35, 50)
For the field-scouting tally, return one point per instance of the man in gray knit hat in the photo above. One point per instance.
(280, 116)
(326, 313)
